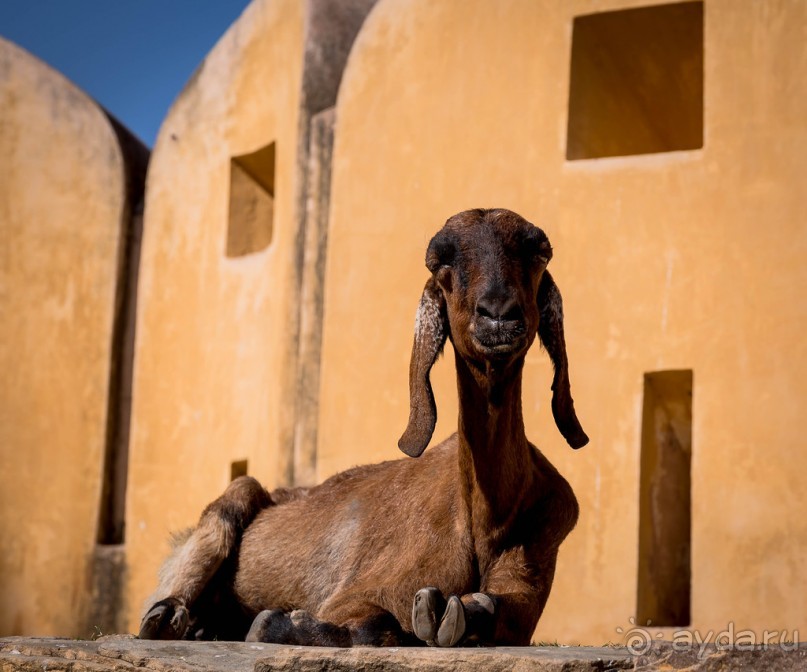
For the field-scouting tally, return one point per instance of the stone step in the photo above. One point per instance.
(126, 653)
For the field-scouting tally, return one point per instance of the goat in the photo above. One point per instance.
(455, 548)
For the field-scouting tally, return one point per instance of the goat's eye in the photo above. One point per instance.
(536, 258)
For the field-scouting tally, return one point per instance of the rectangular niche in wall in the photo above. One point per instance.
(665, 500)
(636, 84)
(252, 202)
(238, 468)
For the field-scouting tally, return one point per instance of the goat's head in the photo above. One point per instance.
(491, 294)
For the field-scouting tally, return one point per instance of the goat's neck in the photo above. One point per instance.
(496, 461)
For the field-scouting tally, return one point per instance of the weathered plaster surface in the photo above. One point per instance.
(64, 213)
(217, 366)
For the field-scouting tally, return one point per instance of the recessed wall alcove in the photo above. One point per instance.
(636, 82)
(252, 202)
(665, 500)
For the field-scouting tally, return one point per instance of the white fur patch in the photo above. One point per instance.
(428, 321)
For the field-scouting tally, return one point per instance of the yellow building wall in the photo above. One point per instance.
(681, 260)
(212, 351)
(62, 216)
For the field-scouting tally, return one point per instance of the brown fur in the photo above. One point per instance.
(480, 516)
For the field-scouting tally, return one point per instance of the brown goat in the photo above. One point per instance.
(456, 547)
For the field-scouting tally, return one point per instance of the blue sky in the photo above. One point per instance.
(132, 56)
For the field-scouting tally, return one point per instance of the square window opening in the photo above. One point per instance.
(636, 82)
(238, 468)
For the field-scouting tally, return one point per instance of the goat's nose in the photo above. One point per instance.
(501, 308)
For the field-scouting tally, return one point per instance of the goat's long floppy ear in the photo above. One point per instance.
(550, 331)
(430, 336)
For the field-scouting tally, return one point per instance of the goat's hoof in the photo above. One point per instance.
(436, 621)
(270, 625)
(167, 619)
(427, 608)
(452, 625)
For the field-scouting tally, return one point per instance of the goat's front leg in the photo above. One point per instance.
(199, 558)
(504, 612)
(448, 622)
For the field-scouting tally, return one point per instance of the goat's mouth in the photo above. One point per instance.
(499, 342)
(500, 349)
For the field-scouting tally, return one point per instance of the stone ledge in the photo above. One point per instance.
(124, 653)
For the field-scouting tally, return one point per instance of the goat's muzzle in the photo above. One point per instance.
(496, 337)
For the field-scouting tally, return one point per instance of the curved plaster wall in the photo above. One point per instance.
(63, 212)
(211, 358)
(680, 260)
